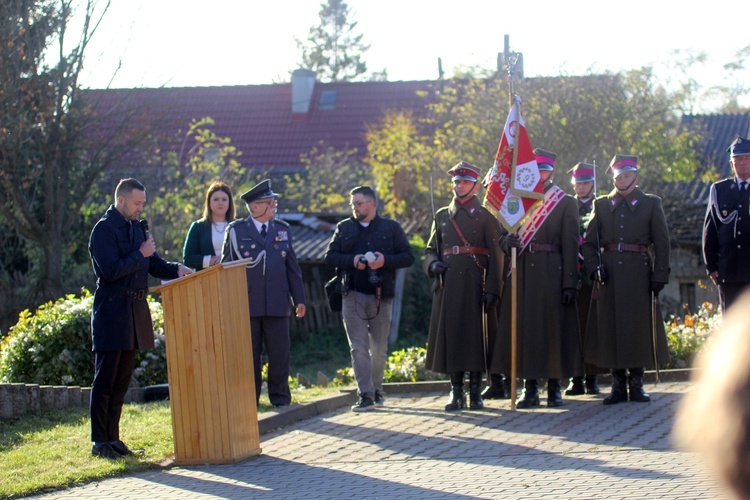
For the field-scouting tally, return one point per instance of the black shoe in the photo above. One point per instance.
(528, 401)
(554, 396)
(475, 400)
(494, 392)
(280, 405)
(456, 401)
(592, 386)
(576, 387)
(365, 404)
(122, 448)
(105, 451)
(379, 399)
(619, 392)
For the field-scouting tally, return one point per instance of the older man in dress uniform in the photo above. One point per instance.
(627, 225)
(465, 261)
(549, 344)
(274, 284)
(726, 229)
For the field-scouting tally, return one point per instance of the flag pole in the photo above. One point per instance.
(514, 291)
(513, 251)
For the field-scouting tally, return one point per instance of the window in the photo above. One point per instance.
(327, 99)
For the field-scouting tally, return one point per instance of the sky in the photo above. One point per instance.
(183, 43)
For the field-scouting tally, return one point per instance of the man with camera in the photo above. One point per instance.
(366, 250)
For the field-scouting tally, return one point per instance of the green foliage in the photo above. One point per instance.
(584, 118)
(332, 49)
(53, 346)
(325, 184)
(179, 197)
(408, 365)
(690, 335)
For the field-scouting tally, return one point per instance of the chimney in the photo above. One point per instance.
(303, 83)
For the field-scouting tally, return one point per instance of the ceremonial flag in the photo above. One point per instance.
(513, 185)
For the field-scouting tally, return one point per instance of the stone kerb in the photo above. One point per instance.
(16, 400)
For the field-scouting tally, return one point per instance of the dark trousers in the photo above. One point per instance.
(728, 293)
(112, 375)
(273, 333)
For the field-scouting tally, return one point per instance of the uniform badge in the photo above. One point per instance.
(283, 254)
(281, 236)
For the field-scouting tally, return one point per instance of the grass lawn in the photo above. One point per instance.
(42, 453)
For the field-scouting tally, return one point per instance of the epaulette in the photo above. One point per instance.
(282, 222)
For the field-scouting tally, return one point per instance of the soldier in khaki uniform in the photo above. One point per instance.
(465, 261)
(584, 182)
(627, 227)
(549, 344)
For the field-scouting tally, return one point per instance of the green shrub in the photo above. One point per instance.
(53, 346)
(408, 365)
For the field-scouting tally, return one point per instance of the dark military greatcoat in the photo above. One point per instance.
(619, 330)
(456, 342)
(549, 344)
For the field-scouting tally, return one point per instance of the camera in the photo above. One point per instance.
(373, 276)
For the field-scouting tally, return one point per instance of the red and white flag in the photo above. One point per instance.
(513, 189)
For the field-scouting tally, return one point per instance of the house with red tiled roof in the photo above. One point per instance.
(273, 125)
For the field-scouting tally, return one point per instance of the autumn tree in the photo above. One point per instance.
(586, 118)
(333, 49)
(329, 174)
(184, 175)
(52, 147)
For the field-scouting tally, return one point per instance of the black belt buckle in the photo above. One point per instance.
(140, 295)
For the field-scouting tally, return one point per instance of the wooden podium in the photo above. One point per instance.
(210, 366)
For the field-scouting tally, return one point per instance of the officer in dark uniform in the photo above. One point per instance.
(726, 229)
(627, 244)
(463, 257)
(583, 179)
(273, 277)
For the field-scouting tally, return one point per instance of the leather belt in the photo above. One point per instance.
(625, 247)
(459, 250)
(544, 247)
(137, 294)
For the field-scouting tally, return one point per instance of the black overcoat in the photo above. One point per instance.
(121, 320)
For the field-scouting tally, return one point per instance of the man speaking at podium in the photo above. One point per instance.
(123, 255)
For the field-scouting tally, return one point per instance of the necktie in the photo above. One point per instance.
(263, 230)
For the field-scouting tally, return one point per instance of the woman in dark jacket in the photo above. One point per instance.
(205, 237)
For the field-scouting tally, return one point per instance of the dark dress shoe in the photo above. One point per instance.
(123, 449)
(105, 451)
(280, 405)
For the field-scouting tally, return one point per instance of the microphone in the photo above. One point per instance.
(143, 224)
